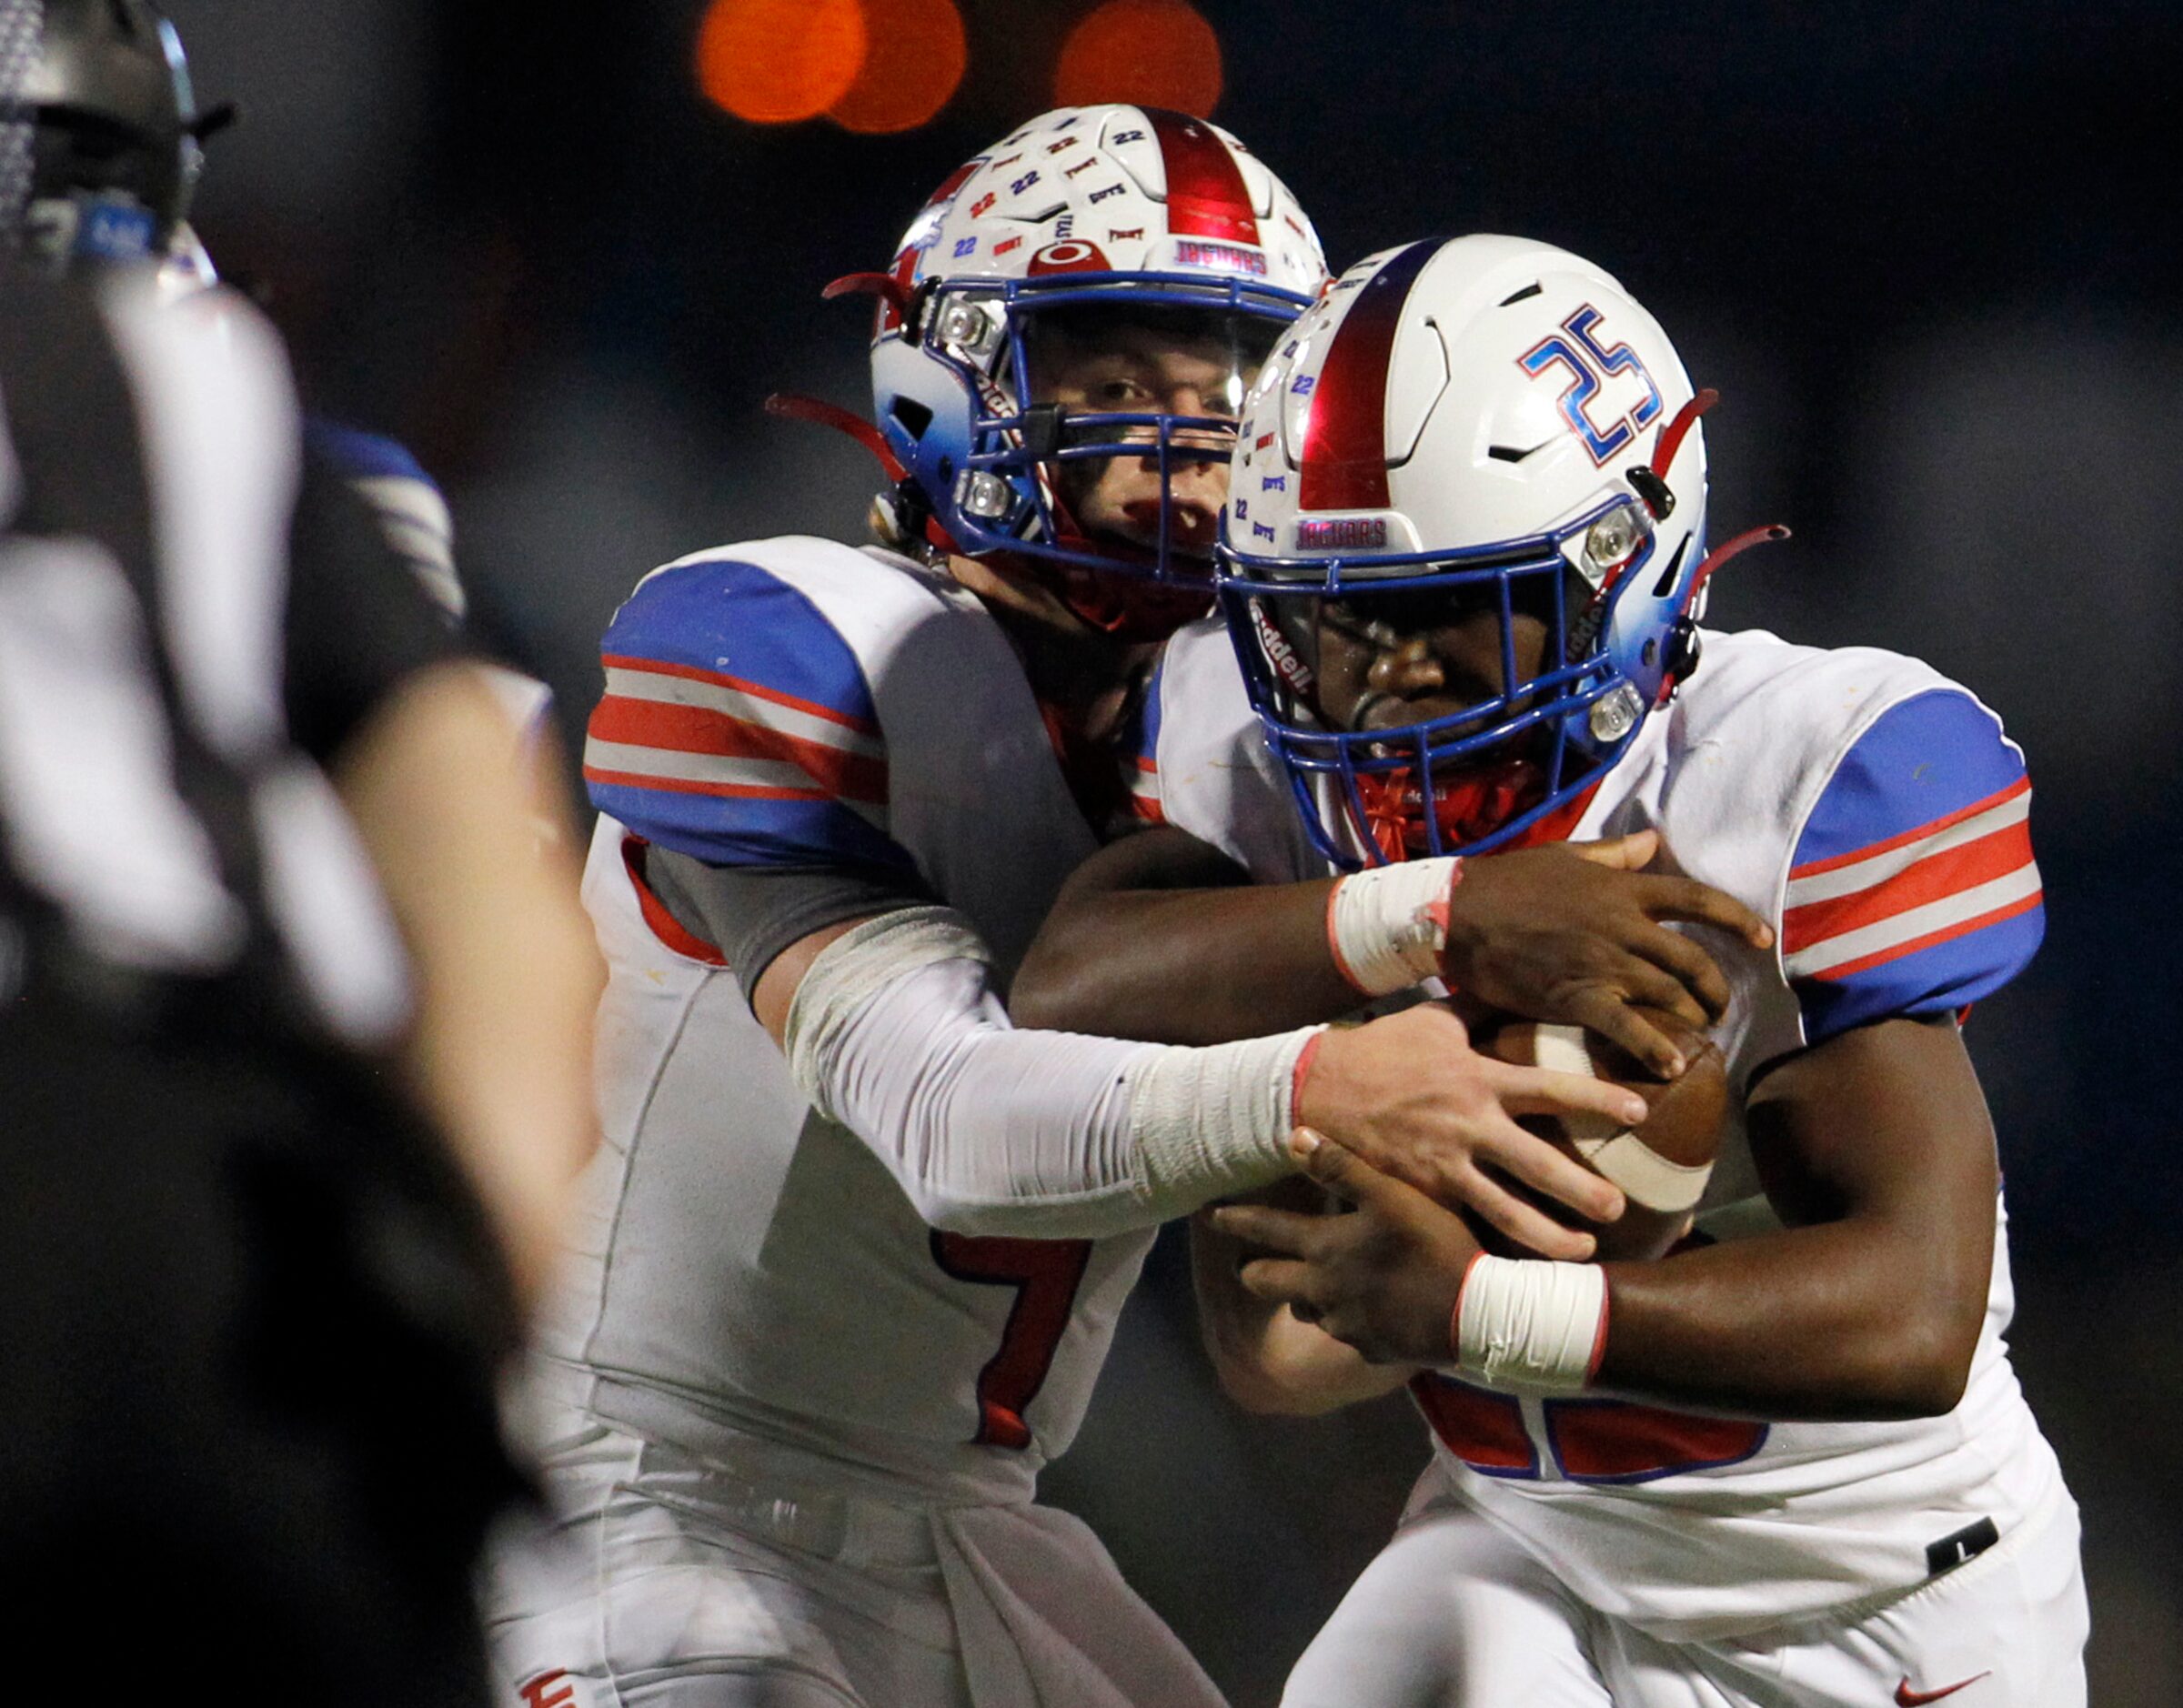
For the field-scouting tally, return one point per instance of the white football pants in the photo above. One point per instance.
(674, 1582)
(1456, 1613)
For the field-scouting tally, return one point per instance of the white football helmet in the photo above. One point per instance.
(1084, 212)
(1476, 422)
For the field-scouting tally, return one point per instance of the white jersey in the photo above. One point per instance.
(1876, 814)
(746, 1268)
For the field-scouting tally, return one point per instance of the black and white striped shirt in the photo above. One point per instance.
(158, 816)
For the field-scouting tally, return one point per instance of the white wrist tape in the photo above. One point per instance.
(1388, 925)
(1215, 1118)
(1529, 1325)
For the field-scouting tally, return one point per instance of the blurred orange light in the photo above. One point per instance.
(1150, 53)
(774, 62)
(913, 62)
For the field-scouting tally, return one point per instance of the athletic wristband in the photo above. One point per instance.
(1214, 1121)
(1529, 1325)
(1302, 1071)
(1386, 927)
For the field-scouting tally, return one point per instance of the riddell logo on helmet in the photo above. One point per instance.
(1294, 674)
(1190, 252)
(1347, 531)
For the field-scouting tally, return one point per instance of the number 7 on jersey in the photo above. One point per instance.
(1045, 1274)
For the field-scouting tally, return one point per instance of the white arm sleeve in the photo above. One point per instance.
(895, 1033)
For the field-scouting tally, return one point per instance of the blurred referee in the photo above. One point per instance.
(252, 1307)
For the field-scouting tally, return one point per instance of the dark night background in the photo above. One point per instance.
(1926, 253)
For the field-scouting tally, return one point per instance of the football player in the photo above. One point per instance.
(1789, 1461)
(855, 1249)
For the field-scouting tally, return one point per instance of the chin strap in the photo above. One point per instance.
(789, 406)
(1672, 434)
(1682, 637)
(1650, 481)
(794, 406)
(1766, 536)
(1652, 487)
(888, 288)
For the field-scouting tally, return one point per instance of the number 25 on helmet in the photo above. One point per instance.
(1464, 550)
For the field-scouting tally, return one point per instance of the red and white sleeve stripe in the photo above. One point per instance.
(1144, 792)
(686, 731)
(1927, 886)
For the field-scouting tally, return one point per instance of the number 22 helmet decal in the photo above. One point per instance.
(1089, 229)
(1464, 544)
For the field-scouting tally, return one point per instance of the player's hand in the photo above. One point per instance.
(1573, 935)
(1409, 1095)
(1383, 1278)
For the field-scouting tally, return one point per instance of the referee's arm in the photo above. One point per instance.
(433, 770)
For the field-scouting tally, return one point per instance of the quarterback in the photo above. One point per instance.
(1789, 1462)
(854, 1248)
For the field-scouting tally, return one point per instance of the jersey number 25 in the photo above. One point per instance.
(1592, 1440)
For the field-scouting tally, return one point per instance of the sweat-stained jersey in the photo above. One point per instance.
(1877, 815)
(745, 1266)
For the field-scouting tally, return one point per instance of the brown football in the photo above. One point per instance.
(1662, 1166)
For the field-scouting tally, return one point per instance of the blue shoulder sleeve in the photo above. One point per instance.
(738, 726)
(1912, 889)
(357, 455)
(412, 511)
